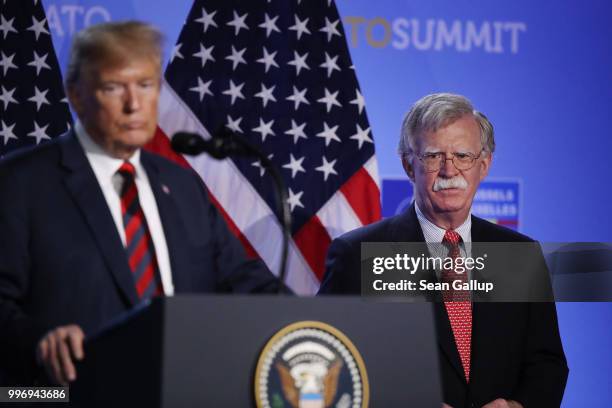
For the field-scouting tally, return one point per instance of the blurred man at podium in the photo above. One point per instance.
(491, 354)
(92, 225)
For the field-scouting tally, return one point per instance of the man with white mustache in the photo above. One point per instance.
(492, 355)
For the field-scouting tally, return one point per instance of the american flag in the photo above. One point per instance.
(33, 107)
(278, 73)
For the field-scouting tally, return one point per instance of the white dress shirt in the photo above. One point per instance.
(434, 235)
(105, 168)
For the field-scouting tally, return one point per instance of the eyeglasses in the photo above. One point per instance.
(462, 161)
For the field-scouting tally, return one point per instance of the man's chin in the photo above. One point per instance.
(124, 148)
(450, 200)
(136, 139)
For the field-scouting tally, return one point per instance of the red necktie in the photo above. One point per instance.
(458, 304)
(138, 243)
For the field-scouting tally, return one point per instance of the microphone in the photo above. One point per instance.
(222, 144)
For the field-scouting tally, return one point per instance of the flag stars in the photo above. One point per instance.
(6, 97)
(330, 100)
(268, 59)
(295, 165)
(361, 136)
(294, 199)
(329, 134)
(205, 54)
(233, 124)
(270, 25)
(330, 64)
(236, 57)
(6, 26)
(202, 89)
(39, 62)
(359, 101)
(234, 91)
(296, 131)
(38, 27)
(327, 168)
(298, 97)
(262, 170)
(7, 62)
(238, 22)
(39, 98)
(40, 133)
(176, 52)
(299, 62)
(266, 94)
(7, 132)
(300, 27)
(264, 129)
(207, 19)
(330, 29)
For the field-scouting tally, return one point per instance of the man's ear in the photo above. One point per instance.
(408, 168)
(74, 97)
(485, 165)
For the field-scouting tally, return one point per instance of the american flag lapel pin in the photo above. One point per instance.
(165, 189)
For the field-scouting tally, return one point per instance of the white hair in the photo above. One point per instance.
(434, 111)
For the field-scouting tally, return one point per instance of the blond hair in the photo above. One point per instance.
(112, 44)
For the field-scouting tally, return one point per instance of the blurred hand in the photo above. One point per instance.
(446, 406)
(502, 403)
(58, 350)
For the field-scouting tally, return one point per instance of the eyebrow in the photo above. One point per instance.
(438, 150)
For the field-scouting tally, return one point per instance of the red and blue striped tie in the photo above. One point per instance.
(138, 243)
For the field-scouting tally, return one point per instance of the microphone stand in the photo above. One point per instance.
(225, 143)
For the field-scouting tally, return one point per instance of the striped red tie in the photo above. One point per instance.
(138, 243)
(458, 304)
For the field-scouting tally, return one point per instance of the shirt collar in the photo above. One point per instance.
(433, 233)
(104, 165)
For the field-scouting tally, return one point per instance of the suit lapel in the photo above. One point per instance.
(83, 186)
(408, 229)
(480, 320)
(170, 219)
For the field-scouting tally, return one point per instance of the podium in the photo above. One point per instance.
(202, 351)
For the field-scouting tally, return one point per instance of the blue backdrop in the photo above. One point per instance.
(541, 71)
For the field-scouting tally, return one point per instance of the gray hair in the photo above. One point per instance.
(434, 111)
(112, 44)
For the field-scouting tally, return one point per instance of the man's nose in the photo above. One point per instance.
(132, 100)
(448, 167)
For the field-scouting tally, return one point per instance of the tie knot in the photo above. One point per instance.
(127, 170)
(451, 237)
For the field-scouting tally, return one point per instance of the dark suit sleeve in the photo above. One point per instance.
(545, 370)
(235, 271)
(342, 270)
(18, 332)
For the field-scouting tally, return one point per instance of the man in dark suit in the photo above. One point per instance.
(91, 225)
(492, 354)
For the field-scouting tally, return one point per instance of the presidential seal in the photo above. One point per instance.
(310, 365)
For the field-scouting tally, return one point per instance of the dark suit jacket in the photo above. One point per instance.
(62, 260)
(516, 348)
